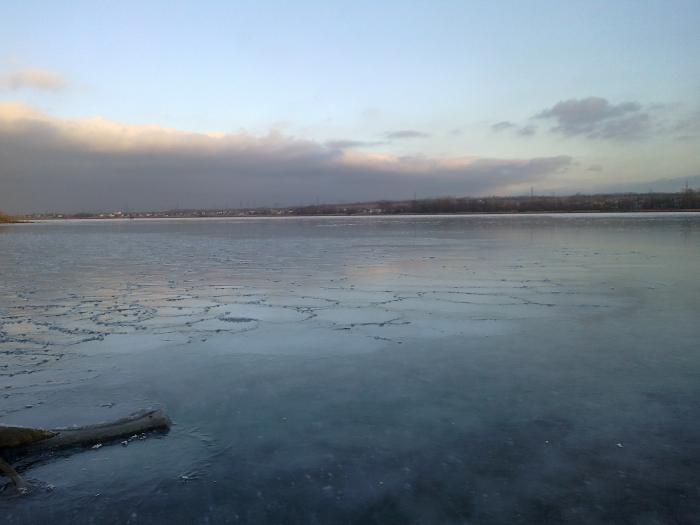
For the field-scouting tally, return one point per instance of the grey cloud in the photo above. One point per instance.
(32, 78)
(687, 127)
(630, 127)
(77, 165)
(595, 167)
(347, 144)
(523, 131)
(502, 126)
(595, 117)
(406, 134)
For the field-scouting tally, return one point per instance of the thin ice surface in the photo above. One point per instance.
(402, 369)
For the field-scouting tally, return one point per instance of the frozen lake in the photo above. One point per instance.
(478, 369)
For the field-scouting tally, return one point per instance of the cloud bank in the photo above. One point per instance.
(47, 163)
(38, 79)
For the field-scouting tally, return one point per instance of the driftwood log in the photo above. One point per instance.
(20, 443)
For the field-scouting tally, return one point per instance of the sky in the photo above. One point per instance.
(157, 105)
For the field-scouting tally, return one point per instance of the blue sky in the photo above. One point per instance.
(360, 71)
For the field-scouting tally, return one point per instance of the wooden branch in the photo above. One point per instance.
(101, 433)
(46, 441)
(11, 473)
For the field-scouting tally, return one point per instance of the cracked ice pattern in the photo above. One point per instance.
(72, 283)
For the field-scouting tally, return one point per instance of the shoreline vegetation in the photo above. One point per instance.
(686, 200)
(8, 219)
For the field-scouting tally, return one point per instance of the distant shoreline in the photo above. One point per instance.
(358, 215)
(4, 219)
(684, 201)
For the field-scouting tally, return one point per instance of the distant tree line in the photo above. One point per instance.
(619, 202)
(687, 199)
(6, 219)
